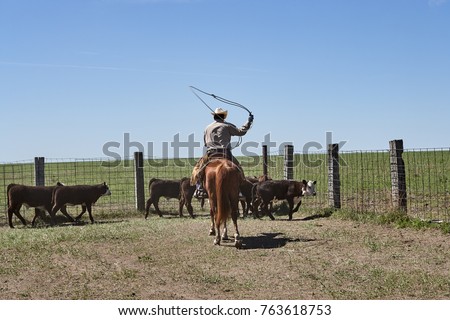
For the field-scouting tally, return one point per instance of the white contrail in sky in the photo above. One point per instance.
(110, 68)
(72, 66)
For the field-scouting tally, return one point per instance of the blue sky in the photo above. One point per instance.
(75, 75)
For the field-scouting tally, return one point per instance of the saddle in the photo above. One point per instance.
(219, 153)
(197, 173)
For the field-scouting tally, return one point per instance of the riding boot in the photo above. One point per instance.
(200, 192)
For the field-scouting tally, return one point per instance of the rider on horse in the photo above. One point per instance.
(217, 138)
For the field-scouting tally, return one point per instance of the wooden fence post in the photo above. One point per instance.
(39, 171)
(289, 162)
(39, 175)
(139, 180)
(398, 175)
(265, 160)
(334, 182)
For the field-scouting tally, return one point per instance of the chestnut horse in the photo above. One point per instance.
(222, 181)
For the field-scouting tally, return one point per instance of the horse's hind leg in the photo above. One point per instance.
(237, 236)
(212, 229)
(236, 230)
(217, 238)
(225, 232)
(217, 228)
(234, 217)
(212, 213)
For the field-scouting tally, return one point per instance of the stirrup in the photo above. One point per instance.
(200, 193)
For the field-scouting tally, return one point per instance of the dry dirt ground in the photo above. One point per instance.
(174, 258)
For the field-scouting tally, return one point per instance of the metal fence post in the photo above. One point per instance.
(289, 162)
(398, 175)
(334, 182)
(139, 180)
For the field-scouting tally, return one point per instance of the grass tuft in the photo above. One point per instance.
(396, 219)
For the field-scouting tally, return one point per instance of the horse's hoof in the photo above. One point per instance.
(216, 242)
(212, 233)
(225, 238)
(238, 244)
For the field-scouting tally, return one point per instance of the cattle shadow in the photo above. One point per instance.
(171, 215)
(66, 223)
(175, 215)
(282, 217)
(269, 241)
(325, 214)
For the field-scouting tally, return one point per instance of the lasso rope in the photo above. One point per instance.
(223, 100)
(193, 89)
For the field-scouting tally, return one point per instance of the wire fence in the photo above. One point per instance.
(365, 180)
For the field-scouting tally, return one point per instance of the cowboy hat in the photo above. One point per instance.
(220, 111)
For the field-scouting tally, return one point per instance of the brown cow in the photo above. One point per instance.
(247, 190)
(39, 197)
(84, 195)
(246, 194)
(186, 194)
(282, 190)
(170, 189)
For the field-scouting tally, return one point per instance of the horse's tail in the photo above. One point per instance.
(227, 185)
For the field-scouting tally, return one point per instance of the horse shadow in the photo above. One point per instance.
(269, 241)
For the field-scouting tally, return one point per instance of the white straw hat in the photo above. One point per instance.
(220, 111)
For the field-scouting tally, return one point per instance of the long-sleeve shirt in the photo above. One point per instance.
(218, 134)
